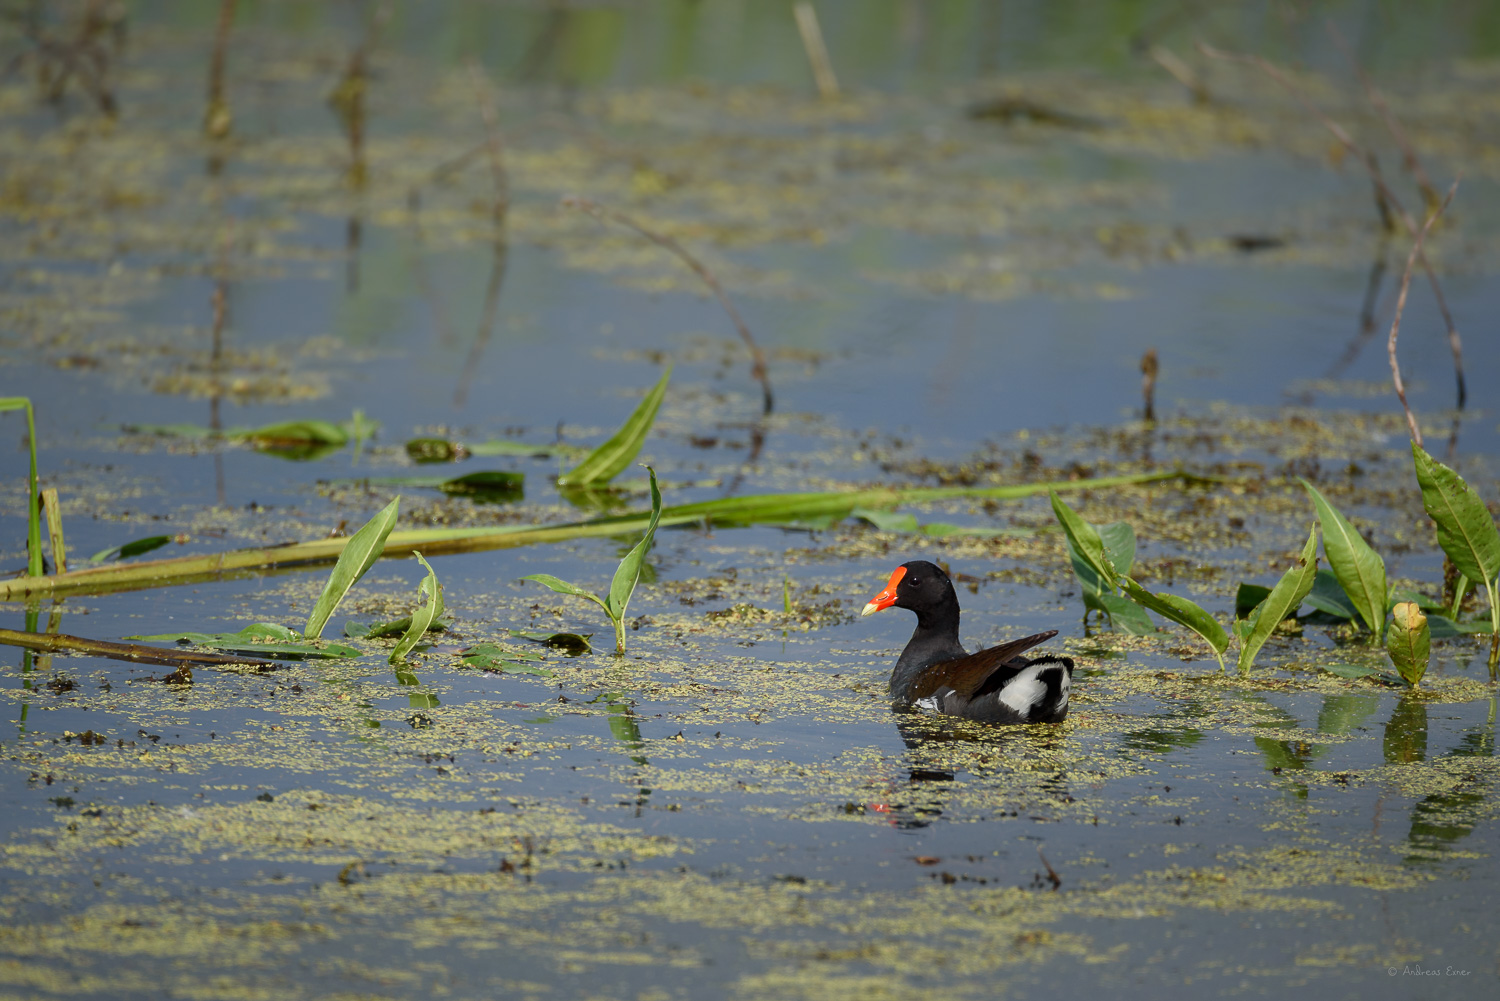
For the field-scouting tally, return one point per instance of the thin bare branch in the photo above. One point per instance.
(817, 52)
(1411, 259)
(217, 118)
(758, 358)
(1180, 71)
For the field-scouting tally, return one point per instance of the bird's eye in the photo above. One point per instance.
(915, 581)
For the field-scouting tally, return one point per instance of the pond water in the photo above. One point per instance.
(732, 808)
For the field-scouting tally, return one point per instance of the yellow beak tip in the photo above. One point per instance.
(870, 609)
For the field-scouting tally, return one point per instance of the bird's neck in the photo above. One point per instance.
(933, 641)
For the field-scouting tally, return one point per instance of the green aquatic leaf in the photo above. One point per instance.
(571, 643)
(133, 548)
(361, 552)
(489, 657)
(609, 459)
(1443, 628)
(430, 596)
(1329, 597)
(563, 587)
(1124, 614)
(34, 565)
(1409, 642)
(1466, 532)
(1283, 600)
(1423, 602)
(262, 639)
(1359, 569)
(1355, 671)
(1183, 612)
(486, 482)
(887, 521)
(628, 573)
(1087, 547)
(1465, 529)
(1248, 598)
(385, 630)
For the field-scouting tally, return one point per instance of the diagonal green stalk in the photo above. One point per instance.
(627, 575)
(753, 509)
(34, 566)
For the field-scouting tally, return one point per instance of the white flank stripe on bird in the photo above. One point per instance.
(1025, 689)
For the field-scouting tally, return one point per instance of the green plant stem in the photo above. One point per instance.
(1492, 587)
(1459, 590)
(752, 509)
(34, 567)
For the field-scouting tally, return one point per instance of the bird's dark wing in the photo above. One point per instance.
(966, 675)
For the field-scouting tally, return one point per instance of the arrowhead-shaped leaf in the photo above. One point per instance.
(1180, 610)
(1359, 569)
(1086, 545)
(628, 573)
(423, 616)
(605, 462)
(1465, 529)
(1281, 602)
(360, 553)
(1409, 642)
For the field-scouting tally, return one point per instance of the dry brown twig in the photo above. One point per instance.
(817, 52)
(758, 359)
(1385, 198)
(217, 119)
(1411, 259)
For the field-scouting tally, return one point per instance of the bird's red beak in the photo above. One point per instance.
(887, 598)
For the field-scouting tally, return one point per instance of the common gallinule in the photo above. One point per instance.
(934, 672)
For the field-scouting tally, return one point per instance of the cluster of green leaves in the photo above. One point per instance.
(1102, 581)
(627, 574)
(1466, 532)
(1354, 589)
(299, 440)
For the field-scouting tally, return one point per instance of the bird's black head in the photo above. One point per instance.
(920, 586)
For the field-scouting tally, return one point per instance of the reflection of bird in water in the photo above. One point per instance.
(940, 749)
(934, 672)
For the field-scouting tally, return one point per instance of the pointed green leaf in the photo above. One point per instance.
(430, 596)
(1181, 611)
(1124, 614)
(1248, 598)
(265, 639)
(135, 548)
(489, 657)
(1409, 642)
(628, 573)
(1359, 569)
(1443, 628)
(1281, 602)
(563, 587)
(605, 462)
(1329, 597)
(1086, 546)
(571, 643)
(1119, 545)
(1465, 529)
(360, 553)
(887, 521)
